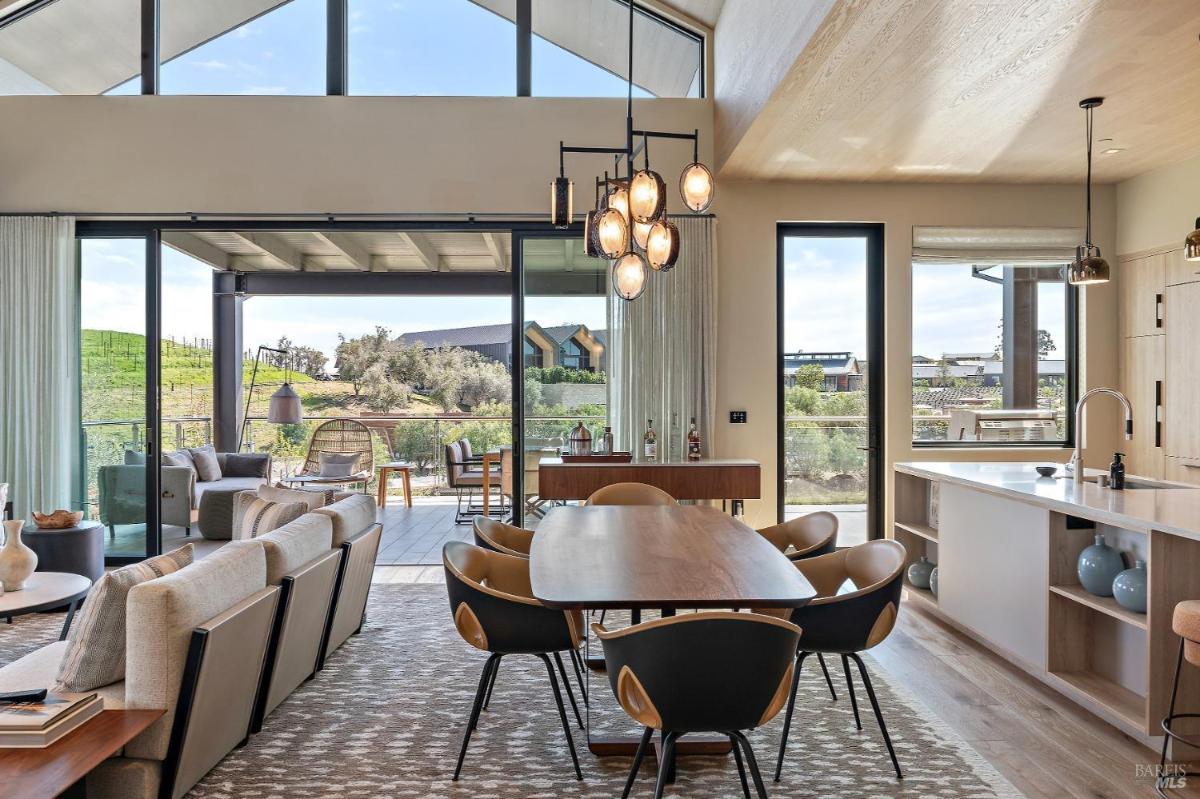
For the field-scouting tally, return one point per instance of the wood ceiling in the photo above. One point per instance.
(968, 90)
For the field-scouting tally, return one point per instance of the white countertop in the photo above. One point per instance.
(1168, 510)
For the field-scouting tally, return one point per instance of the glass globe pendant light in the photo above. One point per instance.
(618, 198)
(1191, 245)
(662, 245)
(647, 196)
(612, 234)
(641, 232)
(1089, 267)
(696, 183)
(629, 275)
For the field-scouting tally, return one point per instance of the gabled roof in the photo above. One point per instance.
(461, 336)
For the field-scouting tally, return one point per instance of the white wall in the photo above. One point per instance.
(1158, 209)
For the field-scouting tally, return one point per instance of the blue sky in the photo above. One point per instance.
(397, 47)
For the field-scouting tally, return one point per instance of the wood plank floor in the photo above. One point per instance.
(1042, 743)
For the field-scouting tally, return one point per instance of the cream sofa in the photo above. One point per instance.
(221, 642)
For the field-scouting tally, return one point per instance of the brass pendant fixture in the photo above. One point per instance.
(1089, 267)
(629, 224)
(1191, 245)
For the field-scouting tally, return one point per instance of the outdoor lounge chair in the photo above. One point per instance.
(344, 437)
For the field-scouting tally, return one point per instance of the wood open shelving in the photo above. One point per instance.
(919, 529)
(1103, 604)
(1097, 689)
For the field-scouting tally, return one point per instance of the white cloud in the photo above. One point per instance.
(212, 65)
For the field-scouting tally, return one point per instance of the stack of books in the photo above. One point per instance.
(39, 724)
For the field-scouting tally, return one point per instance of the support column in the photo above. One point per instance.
(227, 361)
(1020, 337)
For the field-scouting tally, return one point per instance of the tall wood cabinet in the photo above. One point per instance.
(1160, 363)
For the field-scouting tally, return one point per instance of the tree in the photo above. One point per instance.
(1045, 343)
(810, 375)
(354, 357)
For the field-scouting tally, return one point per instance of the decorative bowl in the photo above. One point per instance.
(1046, 471)
(59, 520)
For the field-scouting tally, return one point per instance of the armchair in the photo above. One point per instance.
(123, 495)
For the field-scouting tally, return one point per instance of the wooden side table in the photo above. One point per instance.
(405, 470)
(61, 768)
(77, 550)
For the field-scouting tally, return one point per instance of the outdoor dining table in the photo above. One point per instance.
(664, 558)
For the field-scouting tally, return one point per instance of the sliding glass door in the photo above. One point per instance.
(118, 389)
(830, 375)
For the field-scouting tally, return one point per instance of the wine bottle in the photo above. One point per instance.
(693, 442)
(650, 441)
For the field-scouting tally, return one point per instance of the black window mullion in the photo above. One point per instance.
(336, 34)
(524, 48)
(150, 39)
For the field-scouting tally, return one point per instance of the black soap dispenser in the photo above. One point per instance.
(1116, 473)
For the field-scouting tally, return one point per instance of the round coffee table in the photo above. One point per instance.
(46, 591)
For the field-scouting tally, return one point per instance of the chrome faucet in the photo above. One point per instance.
(1075, 465)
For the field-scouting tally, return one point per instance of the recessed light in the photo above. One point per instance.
(1112, 151)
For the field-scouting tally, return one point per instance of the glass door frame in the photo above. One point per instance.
(152, 267)
(873, 234)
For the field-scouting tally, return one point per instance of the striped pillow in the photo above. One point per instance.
(95, 654)
(255, 515)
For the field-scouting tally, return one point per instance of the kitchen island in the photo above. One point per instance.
(1006, 542)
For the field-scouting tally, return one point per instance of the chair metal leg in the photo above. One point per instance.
(1162, 780)
(487, 699)
(752, 763)
(828, 681)
(787, 719)
(887, 739)
(643, 745)
(664, 765)
(850, 688)
(737, 756)
(479, 692)
(577, 663)
(562, 715)
(567, 684)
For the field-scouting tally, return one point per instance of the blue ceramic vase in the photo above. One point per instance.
(1098, 566)
(933, 580)
(918, 573)
(1129, 588)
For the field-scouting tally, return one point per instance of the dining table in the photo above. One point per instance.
(665, 558)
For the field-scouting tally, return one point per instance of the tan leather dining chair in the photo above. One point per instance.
(805, 536)
(630, 494)
(501, 537)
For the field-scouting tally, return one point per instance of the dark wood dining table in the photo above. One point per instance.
(666, 558)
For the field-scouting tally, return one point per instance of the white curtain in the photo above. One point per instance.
(39, 362)
(662, 349)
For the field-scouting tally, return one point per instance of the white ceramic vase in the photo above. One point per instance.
(17, 561)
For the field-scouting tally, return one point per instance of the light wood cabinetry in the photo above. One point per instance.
(1181, 420)
(1143, 377)
(1176, 270)
(1141, 288)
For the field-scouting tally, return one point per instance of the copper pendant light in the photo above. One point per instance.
(1089, 267)
(1191, 245)
(662, 245)
(629, 276)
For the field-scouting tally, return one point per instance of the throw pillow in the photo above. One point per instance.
(135, 458)
(337, 464)
(311, 499)
(255, 516)
(180, 458)
(254, 464)
(95, 654)
(208, 468)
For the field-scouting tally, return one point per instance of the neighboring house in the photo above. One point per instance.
(1052, 371)
(571, 346)
(842, 370)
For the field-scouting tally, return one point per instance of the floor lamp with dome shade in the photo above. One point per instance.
(285, 407)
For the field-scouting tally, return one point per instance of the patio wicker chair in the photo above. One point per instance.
(342, 436)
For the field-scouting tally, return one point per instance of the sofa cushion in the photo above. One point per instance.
(227, 484)
(161, 616)
(95, 652)
(207, 466)
(37, 670)
(350, 516)
(295, 544)
(250, 464)
(125, 778)
(337, 464)
(311, 499)
(135, 458)
(253, 516)
(179, 458)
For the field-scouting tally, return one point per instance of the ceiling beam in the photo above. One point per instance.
(424, 250)
(496, 247)
(285, 254)
(348, 248)
(198, 248)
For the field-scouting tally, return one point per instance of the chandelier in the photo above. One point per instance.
(629, 224)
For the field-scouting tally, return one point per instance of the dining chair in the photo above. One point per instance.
(807, 536)
(630, 494)
(749, 660)
(499, 536)
(495, 611)
(851, 622)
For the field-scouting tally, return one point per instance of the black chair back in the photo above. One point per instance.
(493, 606)
(702, 672)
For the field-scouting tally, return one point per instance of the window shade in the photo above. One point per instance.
(1010, 246)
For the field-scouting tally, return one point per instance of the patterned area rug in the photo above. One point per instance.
(386, 716)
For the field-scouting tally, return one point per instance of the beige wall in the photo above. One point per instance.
(317, 154)
(1159, 208)
(748, 213)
